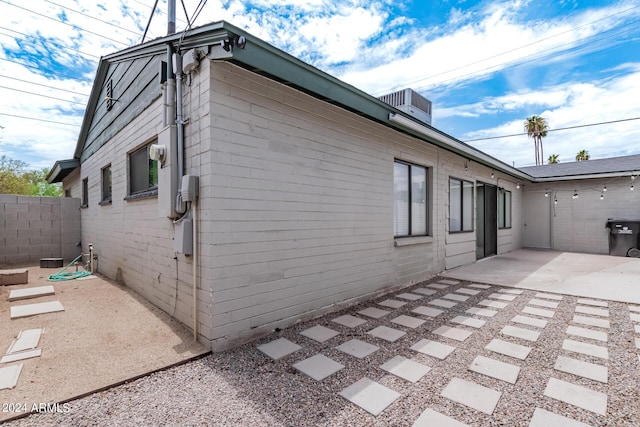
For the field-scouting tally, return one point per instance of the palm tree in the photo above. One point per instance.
(582, 155)
(537, 128)
(553, 159)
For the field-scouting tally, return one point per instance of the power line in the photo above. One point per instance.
(41, 85)
(555, 130)
(43, 96)
(68, 76)
(93, 17)
(39, 120)
(46, 41)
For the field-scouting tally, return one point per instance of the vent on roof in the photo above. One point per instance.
(411, 102)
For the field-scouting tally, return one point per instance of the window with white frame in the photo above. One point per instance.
(410, 200)
(143, 172)
(460, 205)
(504, 208)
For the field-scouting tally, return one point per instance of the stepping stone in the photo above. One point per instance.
(319, 333)
(349, 321)
(425, 291)
(27, 310)
(410, 297)
(548, 296)
(40, 291)
(635, 317)
(638, 343)
(587, 333)
(503, 297)
(542, 418)
(437, 286)
(27, 339)
(27, 354)
(369, 395)
(431, 418)
(405, 368)
(468, 291)
(433, 348)
(391, 303)
(456, 297)
(510, 349)
(469, 321)
(635, 308)
(9, 376)
(591, 310)
(386, 333)
(493, 304)
(582, 369)
(318, 367)
(637, 328)
(525, 334)
(449, 282)
(473, 395)
(510, 291)
(374, 312)
(427, 311)
(453, 333)
(279, 348)
(586, 348)
(357, 348)
(591, 321)
(538, 312)
(482, 312)
(443, 303)
(543, 303)
(576, 395)
(539, 323)
(594, 302)
(495, 369)
(408, 321)
(479, 286)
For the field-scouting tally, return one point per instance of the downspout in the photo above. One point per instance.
(194, 210)
(179, 207)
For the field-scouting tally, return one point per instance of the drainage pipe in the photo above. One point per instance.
(194, 217)
(179, 130)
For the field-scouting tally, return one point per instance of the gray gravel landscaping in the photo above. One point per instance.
(245, 387)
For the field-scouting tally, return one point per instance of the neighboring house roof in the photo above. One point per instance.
(61, 169)
(597, 168)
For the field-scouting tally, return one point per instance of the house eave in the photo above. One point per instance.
(61, 169)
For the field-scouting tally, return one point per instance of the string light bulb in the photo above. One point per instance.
(546, 193)
(575, 194)
(555, 201)
(631, 187)
(493, 175)
(604, 189)
(466, 167)
(518, 186)
(602, 195)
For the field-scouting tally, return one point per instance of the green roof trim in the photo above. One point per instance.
(61, 169)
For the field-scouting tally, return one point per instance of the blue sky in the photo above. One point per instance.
(486, 65)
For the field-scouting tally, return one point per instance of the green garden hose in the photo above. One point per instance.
(61, 276)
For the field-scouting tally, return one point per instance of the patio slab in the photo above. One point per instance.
(525, 334)
(349, 321)
(319, 333)
(453, 333)
(586, 348)
(493, 304)
(409, 296)
(468, 291)
(587, 333)
(369, 395)
(503, 296)
(427, 311)
(468, 321)
(35, 292)
(544, 418)
(433, 348)
(582, 369)
(538, 312)
(318, 367)
(442, 303)
(543, 303)
(473, 395)
(553, 297)
(456, 297)
(357, 348)
(592, 310)
(424, 291)
(9, 376)
(531, 321)
(495, 369)
(373, 312)
(408, 321)
(510, 349)
(591, 321)
(279, 348)
(392, 303)
(577, 395)
(386, 333)
(406, 369)
(482, 312)
(431, 418)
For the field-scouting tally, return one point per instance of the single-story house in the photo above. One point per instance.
(240, 189)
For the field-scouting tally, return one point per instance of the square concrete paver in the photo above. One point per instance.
(638, 343)
(438, 286)
(456, 297)
(433, 348)
(9, 376)
(386, 333)
(592, 310)
(511, 291)
(543, 418)
(592, 321)
(27, 354)
(469, 321)
(392, 303)
(635, 317)
(531, 321)
(586, 348)
(349, 321)
(374, 312)
(357, 348)
(495, 369)
(427, 311)
(318, 367)
(597, 303)
(319, 333)
(587, 333)
(408, 321)
(468, 291)
(637, 328)
(582, 369)
(27, 339)
(482, 312)
(510, 349)
(369, 395)
(549, 296)
(525, 334)
(502, 296)
(431, 418)
(453, 333)
(479, 286)
(493, 303)
(538, 312)
(424, 291)
(442, 303)
(543, 303)
(449, 282)
(577, 395)
(40, 291)
(410, 297)
(279, 348)
(27, 310)
(472, 395)
(634, 308)
(405, 368)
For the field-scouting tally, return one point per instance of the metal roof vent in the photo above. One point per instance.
(411, 102)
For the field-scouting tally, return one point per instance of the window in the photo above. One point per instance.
(106, 185)
(143, 172)
(504, 209)
(460, 205)
(409, 200)
(85, 193)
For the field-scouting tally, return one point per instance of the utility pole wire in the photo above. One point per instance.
(38, 120)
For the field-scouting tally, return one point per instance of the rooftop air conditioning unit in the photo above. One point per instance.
(411, 102)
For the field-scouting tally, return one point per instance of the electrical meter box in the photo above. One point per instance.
(183, 237)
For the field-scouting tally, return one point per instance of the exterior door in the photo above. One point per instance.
(537, 221)
(486, 220)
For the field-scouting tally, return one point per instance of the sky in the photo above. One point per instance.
(485, 65)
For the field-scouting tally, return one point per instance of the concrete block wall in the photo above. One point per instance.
(32, 228)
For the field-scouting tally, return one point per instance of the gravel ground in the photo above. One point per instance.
(244, 387)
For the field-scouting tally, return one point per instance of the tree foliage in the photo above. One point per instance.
(17, 178)
(553, 159)
(537, 128)
(582, 156)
